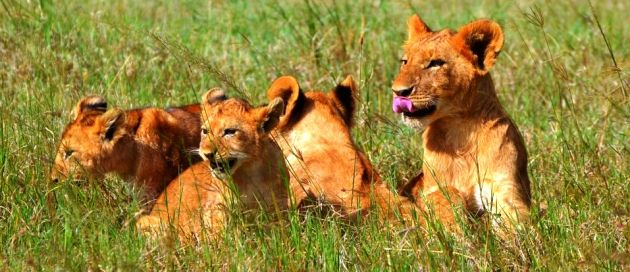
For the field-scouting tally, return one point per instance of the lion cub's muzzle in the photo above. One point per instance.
(57, 176)
(421, 110)
(221, 165)
(410, 106)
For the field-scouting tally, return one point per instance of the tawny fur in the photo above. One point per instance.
(470, 143)
(147, 146)
(195, 202)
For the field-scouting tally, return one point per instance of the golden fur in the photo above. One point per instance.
(147, 146)
(470, 143)
(325, 164)
(238, 154)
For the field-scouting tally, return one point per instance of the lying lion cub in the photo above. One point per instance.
(240, 159)
(148, 146)
(470, 143)
(324, 162)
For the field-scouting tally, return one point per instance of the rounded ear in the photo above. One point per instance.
(416, 28)
(213, 95)
(480, 41)
(288, 89)
(91, 103)
(111, 121)
(345, 98)
(272, 114)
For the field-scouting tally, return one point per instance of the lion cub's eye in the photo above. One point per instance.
(67, 153)
(229, 132)
(403, 61)
(436, 63)
(204, 131)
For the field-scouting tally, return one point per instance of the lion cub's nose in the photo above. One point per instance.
(404, 92)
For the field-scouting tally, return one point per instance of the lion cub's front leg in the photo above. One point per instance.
(504, 201)
(149, 225)
(212, 218)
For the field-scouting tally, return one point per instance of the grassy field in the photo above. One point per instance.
(562, 77)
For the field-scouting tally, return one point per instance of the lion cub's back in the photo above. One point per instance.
(188, 118)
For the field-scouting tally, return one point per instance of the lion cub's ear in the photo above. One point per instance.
(112, 121)
(213, 95)
(92, 103)
(345, 99)
(287, 89)
(481, 41)
(416, 28)
(271, 115)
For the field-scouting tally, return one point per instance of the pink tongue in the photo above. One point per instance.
(402, 104)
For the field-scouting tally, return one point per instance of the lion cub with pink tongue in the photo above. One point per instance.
(470, 143)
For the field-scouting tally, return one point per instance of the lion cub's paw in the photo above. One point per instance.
(149, 225)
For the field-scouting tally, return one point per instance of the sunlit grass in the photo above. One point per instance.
(556, 77)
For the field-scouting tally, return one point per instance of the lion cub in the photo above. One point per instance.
(148, 146)
(324, 162)
(469, 141)
(242, 165)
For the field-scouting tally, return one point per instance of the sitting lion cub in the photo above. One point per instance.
(147, 146)
(470, 143)
(240, 159)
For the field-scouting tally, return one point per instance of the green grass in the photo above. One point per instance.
(556, 77)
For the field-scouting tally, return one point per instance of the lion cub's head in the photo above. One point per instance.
(88, 140)
(439, 69)
(233, 132)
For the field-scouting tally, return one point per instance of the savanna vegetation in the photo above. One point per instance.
(562, 75)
